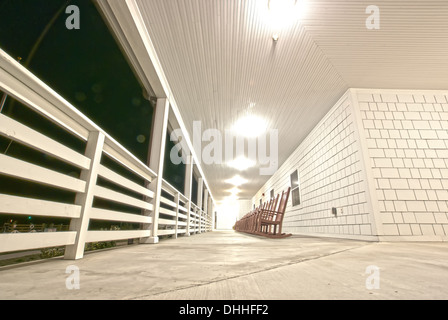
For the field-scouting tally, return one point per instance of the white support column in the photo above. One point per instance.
(200, 199)
(188, 188)
(156, 160)
(94, 151)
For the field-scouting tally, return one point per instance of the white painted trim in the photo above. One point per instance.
(339, 236)
(183, 216)
(167, 212)
(114, 196)
(10, 242)
(377, 226)
(149, 46)
(397, 91)
(166, 222)
(94, 152)
(201, 195)
(188, 189)
(168, 202)
(167, 187)
(22, 85)
(101, 236)
(433, 238)
(28, 206)
(166, 232)
(177, 214)
(119, 19)
(16, 131)
(26, 171)
(110, 175)
(108, 215)
(156, 162)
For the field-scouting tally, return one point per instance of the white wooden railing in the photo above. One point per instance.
(179, 220)
(174, 218)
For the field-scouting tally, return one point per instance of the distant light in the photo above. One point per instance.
(231, 199)
(242, 163)
(250, 126)
(234, 191)
(237, 181)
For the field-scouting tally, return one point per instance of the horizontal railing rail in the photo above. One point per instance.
(100, 194)
(17, 81)
(177, 219)
(23, 86)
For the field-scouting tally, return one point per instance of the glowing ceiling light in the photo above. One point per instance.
(250, 126)
(237, 181)
(283, 12)
(231, 198)
(242, 163)
(281, 6)
(234, 191)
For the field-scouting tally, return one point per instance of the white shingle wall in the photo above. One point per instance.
(407, 138)
(329, 167)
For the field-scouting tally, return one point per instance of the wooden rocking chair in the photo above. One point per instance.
(274, 219)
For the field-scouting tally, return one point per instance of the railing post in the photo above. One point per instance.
(177, 201)
(200, 197)
(210, 213)
(192, 220)
(200, 221)
(156, 160)
(188, 187)
(94, 151)
(205, 209)
(195, 220)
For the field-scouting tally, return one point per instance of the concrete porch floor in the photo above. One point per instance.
(225, 265)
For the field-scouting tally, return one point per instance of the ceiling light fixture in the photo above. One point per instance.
(234, 191)
(237, 181)
(242, 163)
(231, 198)
(283, 12)
(281, 6)
(250, 126)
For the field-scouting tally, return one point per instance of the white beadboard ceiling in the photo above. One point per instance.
(219, 58)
